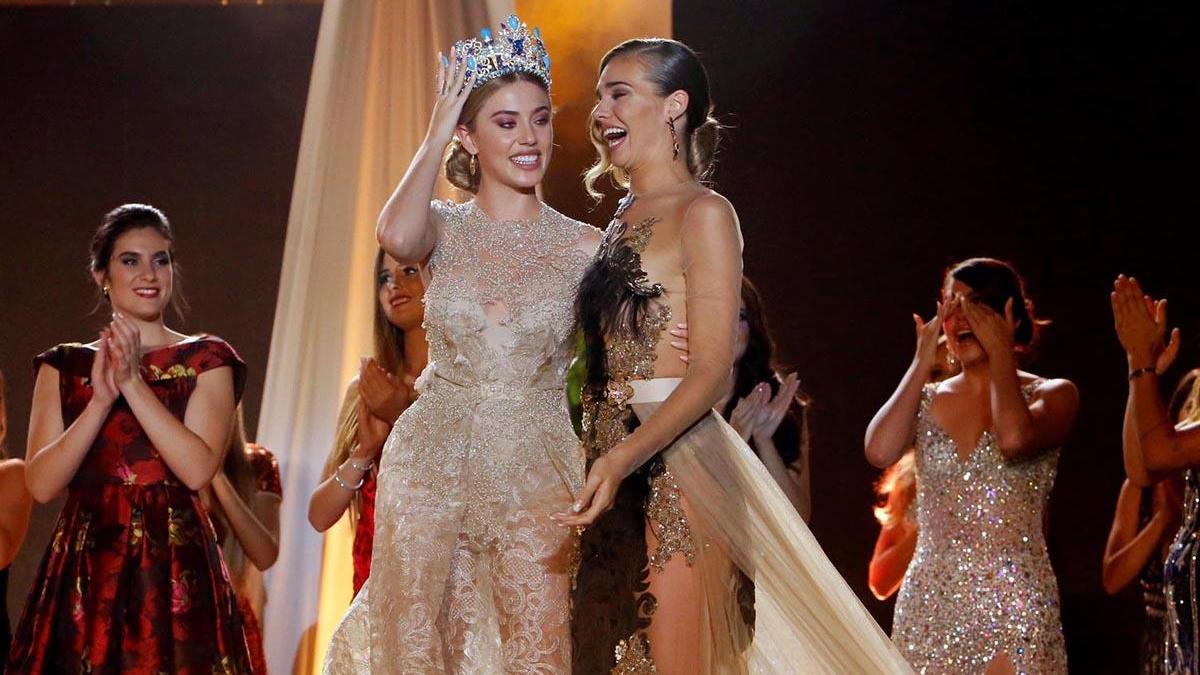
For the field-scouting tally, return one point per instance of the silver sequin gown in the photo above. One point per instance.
(980, 582)
(469, 573)
(1180, 575)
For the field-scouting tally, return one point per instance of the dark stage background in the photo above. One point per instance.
(872, 144)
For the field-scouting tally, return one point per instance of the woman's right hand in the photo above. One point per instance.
(928, 332)
(104, 384)
(372, 434)
(454, 85)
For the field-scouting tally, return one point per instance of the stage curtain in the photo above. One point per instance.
(368, 106)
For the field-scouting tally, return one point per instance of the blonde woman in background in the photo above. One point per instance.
(373, 402)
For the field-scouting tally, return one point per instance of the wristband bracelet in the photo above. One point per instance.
(364, 468)
(337, 478)
(1138, 372)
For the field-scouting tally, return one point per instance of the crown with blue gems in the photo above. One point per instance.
(513, 49)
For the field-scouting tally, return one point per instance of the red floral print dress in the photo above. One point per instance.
(364, 534)
(133, 580)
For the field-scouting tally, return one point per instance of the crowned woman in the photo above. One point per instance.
(469, 571)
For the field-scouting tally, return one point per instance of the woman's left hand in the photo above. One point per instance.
(1140, 322)
(772, 413)
(599, 492)
(680, 331)
(125, 345)
(994, 332)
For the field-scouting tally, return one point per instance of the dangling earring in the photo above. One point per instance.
(951, 359)
(106, 289)
(473, 167)
(674, 137)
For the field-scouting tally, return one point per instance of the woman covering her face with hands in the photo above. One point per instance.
(987, 443)
(131, 426)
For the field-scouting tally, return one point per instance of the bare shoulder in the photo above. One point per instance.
(12, 470)
(709, 207)
(1054, 391)
(589, 238)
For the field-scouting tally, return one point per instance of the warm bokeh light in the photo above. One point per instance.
(577, 35)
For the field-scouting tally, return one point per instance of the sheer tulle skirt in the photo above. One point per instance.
(696, 617)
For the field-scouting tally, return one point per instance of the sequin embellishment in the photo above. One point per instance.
(980, 583)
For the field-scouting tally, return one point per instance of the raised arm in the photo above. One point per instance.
(54, 452)
(1165, 448)
(340, 482)
(194, 448)
(1129, 548)
(407, 227)
(1021, 429)
(891, 429)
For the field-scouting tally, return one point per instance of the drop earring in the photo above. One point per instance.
(674, 137)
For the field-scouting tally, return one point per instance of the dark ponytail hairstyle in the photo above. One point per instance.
(993, 282)
(671, 66)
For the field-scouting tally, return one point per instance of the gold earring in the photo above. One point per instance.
(106, 290)
(674, 137)
(473, 167)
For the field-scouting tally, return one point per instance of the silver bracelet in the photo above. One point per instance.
(356, 467)
(337, 477)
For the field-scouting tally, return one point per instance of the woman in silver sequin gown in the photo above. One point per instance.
(469, 572)
(1156, 448)
(980, 595)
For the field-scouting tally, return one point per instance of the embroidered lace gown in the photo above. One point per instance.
(469, 572)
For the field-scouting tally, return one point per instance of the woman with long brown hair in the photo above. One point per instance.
(373, 401)
(676, 505)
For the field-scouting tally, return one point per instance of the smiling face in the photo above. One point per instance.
(511, 135)
(400, 290)
(139, 275)
(629, 120)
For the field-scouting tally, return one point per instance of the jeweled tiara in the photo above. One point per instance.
(514, 49)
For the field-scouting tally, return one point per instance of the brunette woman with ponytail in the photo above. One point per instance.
(676, 505)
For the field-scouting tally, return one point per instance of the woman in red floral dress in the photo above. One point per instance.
(131, 426)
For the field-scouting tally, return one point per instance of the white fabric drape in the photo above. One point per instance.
(368, 105)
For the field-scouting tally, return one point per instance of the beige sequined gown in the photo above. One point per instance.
(980, 582)
(469, 573)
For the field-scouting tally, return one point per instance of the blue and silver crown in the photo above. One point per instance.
(514, 49)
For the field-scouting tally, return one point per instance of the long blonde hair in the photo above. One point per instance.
(1185, 402)
(388, 341)
(896, 490)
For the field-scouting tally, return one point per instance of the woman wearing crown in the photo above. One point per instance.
(469, 572)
